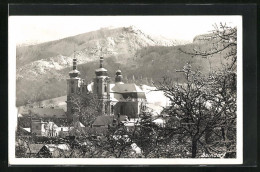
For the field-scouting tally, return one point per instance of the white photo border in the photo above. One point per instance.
(12, 121)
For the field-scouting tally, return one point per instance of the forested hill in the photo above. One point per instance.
(42, 69)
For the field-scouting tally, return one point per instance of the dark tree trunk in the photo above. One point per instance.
(224, 133)
(194, 148)
(207, 136)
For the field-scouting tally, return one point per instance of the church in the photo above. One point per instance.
(117, 97)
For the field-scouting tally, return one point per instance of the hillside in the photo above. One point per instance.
(124, 40)
(42, 69)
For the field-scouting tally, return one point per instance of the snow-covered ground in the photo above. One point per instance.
(156, 100)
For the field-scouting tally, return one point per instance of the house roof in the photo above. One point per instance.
(34, 148)
(23, 131)
(103, 120)
(107, 120)
(78, 124)
(53, 147)
(27, 129)
(44, 112)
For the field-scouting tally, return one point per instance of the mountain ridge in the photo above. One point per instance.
(58, 54)
(42, 75)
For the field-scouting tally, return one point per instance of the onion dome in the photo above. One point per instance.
(119, 77)
(101, 71)
(74, 73)
(118, 72)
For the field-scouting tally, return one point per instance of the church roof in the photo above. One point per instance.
(125, 88)
(101, 70)
(74, 71)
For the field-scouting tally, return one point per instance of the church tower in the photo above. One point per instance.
(75, 87)
(102, 87)
(119, 77)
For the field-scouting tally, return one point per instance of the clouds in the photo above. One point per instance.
(35, 29)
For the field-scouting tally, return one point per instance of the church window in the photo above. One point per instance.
(105, 89)
(105, 108)
(72, 90)
(122, 110)
(112, 108)
(83, 89)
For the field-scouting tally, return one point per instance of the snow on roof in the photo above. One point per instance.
(27, 129)
(101, 70)
(125, 88)
(90, 86)
(53, 147)
(155, 97)
(159, 121)
(154, 109)
(79, 124)
(74, 71)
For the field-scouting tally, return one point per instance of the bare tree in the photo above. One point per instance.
(87, 107)
(204, 107)
(198, 108)
(222, 40)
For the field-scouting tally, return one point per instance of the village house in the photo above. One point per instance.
(54, 151)
(33, 149)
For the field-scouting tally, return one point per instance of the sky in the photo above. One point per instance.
(37, 29)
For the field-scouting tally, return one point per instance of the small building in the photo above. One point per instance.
(33, 150)
(41, 128)
(54, 151)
